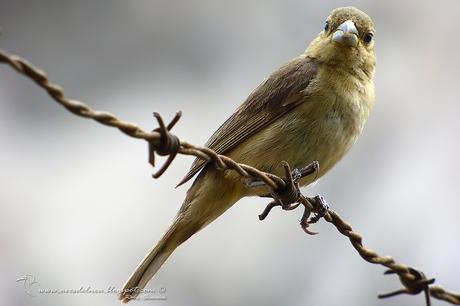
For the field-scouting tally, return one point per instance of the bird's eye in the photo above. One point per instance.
(368, 37)
(326, 26)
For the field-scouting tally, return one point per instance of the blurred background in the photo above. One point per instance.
(78, 207)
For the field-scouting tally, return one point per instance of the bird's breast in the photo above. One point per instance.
(322, 128)
(347, 101)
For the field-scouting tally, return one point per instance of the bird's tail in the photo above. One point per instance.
(206, 200)
(177, 233)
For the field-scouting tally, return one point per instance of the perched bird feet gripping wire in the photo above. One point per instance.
(321, 209)
(316, 205)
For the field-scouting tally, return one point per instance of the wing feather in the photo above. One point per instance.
(285, 89)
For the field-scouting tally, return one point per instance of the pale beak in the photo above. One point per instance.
(346, 34)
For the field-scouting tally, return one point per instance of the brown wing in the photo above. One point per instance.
(281, 92)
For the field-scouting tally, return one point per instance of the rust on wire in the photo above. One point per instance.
(169, 144)
(160, 140)
(284, 192)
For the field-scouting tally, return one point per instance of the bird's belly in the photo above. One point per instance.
(299, 139)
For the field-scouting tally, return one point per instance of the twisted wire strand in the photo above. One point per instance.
(442, 294)
(413, 281)
(81, 109)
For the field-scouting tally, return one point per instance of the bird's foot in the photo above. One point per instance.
(294, 175)
(318, 206)
(311, 168)
(321, 209)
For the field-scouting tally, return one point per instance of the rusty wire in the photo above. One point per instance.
(162, 142)
(159, 139)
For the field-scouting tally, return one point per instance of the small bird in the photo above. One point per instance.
(311, 109)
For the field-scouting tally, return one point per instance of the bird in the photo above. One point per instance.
(313, 108)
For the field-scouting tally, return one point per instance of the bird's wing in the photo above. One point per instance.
(285, 89)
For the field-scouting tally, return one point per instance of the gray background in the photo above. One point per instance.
(78, 205)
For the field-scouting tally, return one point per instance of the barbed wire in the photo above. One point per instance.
(164, 143)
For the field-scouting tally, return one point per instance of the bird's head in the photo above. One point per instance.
(346, 40)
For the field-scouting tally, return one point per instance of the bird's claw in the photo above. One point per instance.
(320, 210)
(294, 175)
(304, 221)
(311, 168)
(323, 208)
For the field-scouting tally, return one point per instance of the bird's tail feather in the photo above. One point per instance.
(177, 233)
(206, 200)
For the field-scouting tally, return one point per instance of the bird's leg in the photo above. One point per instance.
(304, 224)
(320, 209)
(311, 168)
(296, 175)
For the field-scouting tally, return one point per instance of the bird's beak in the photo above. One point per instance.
(346, 34)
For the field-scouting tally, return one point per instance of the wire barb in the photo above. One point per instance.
(289, 197)
(169, 144)
(419, 283)
(162, 142)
